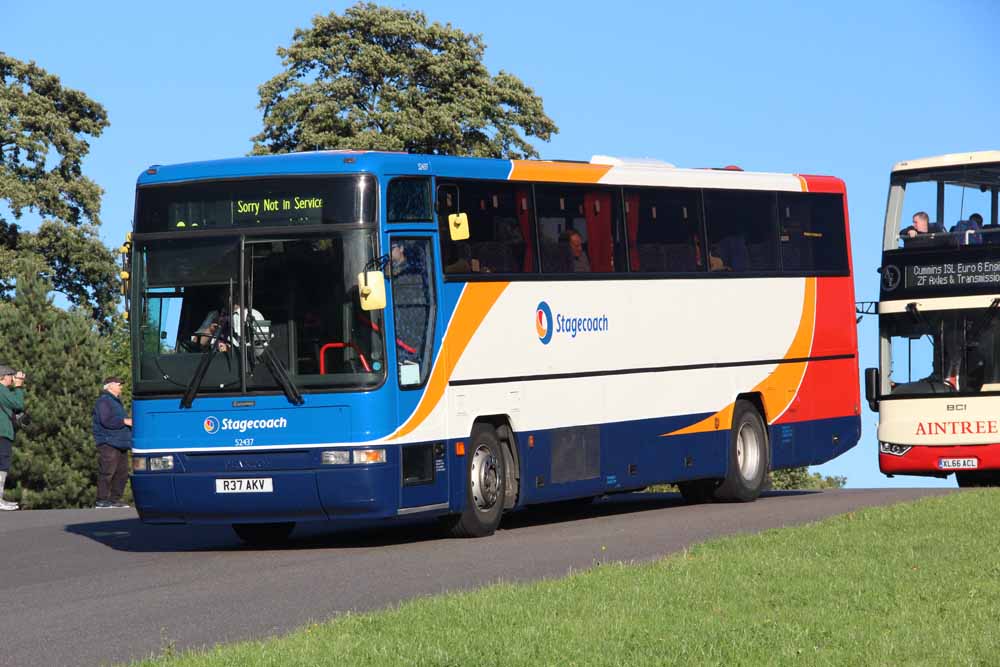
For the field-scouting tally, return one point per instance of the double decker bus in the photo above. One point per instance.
(937, 386)
(358, 336)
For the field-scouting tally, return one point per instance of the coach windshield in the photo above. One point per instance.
(255, 308)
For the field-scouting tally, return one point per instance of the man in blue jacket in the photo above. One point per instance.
(11, 401)
(113, 435)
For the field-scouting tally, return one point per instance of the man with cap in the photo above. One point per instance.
(11, 401)
(113, 435)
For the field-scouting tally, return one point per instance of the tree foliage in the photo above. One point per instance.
(65, 358)
(385, 79)
(801, 478)
(44, 130)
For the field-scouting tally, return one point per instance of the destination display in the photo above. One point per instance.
(953, 274)
(264, 202)
(291, 209)
(288, 209)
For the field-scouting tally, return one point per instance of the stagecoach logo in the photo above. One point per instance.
(211, 425)
(891, 276)
(543, 322)
(570, 325)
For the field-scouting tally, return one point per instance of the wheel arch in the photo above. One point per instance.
(502, 423)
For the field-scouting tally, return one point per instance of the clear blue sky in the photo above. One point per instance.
(846, 89)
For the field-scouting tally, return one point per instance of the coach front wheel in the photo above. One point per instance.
(264, 534)
(748, 456)
(484, 485)
(698, 491)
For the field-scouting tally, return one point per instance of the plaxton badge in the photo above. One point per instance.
(978, 427)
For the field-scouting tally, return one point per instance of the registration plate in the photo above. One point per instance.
(958, 464)
(244, 485)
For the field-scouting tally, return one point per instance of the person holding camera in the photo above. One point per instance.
(113, 434)
(11, 403)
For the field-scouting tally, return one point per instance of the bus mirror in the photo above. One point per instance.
(458, 226)
(872, 388)
(371, 290)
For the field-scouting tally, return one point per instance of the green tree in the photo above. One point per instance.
(44, 131)
(64, 357)
(385, 79)
(801, 478)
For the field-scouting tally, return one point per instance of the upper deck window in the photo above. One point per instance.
(272, 202)
(945, 208)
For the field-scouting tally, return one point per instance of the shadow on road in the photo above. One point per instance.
(134, 536)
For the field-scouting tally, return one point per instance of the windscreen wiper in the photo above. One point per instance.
(199, 374)
(278, 371)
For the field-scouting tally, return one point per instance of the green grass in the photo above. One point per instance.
(913, 584)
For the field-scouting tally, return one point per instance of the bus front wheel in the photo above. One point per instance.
(485, 479)
(748, 456)
(978, 478)
(264, 534)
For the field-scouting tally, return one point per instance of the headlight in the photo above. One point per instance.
(336, 457)
(895, 450)
(343, 457)
(157, 463)
(138, 463)
(362, 456)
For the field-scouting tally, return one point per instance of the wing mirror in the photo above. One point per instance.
(371, 290)
(872, 382)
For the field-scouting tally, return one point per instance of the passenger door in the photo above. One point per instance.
(416, 337)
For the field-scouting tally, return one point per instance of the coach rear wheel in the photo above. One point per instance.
(484, 486)
(264, 534)
(748, 456)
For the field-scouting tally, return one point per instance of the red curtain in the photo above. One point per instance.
(597, 210)
(523, 205)
(632, 218)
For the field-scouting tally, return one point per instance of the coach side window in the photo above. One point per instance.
(812, 232)
(409, 200)
(742, 234)
(501, 227)
(664, 230)
(579, 230)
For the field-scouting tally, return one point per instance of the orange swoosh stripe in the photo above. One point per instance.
(802, 182)
(557, 172)
(476, 301)
(779, 388)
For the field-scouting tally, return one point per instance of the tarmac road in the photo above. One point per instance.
(91, 587)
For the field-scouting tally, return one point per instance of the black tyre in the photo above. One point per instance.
(698, 491)
(485, 477)
(264, 534)
(748, 456)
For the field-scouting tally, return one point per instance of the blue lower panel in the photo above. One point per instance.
(636, 454)
(812, 442)
(295, 498)
(370, 492)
